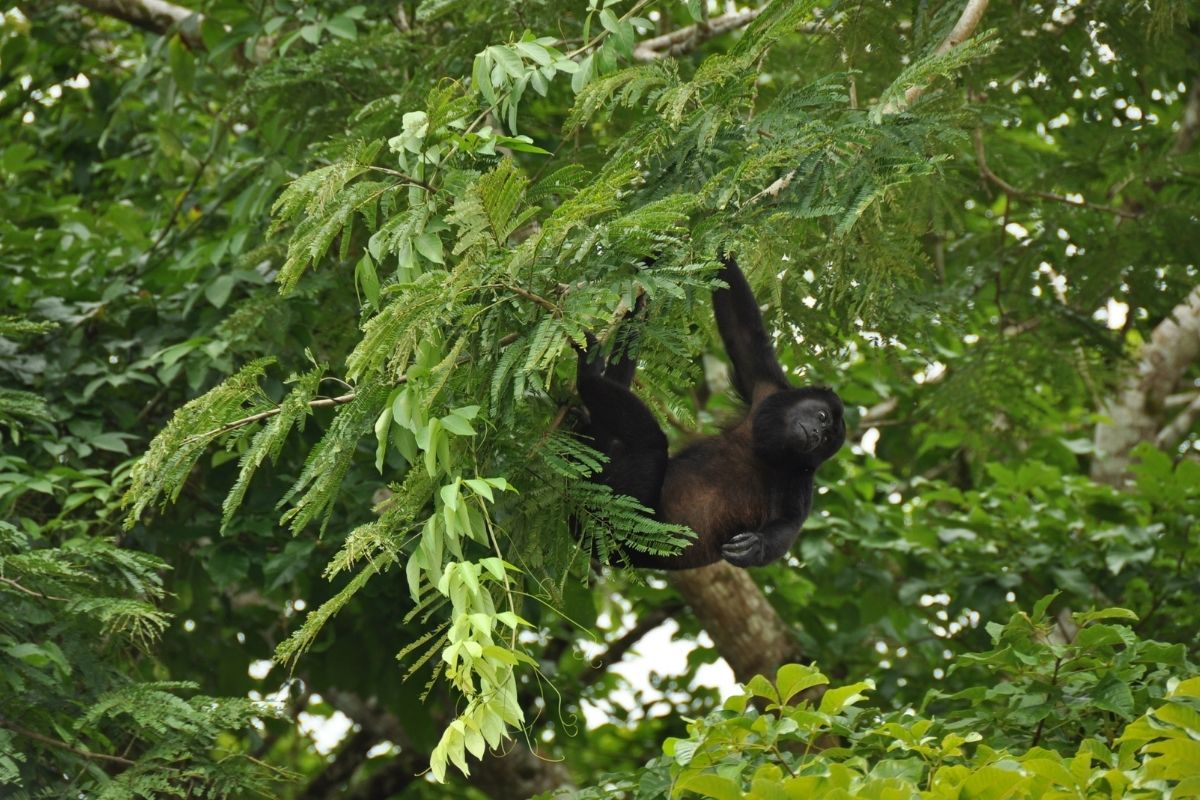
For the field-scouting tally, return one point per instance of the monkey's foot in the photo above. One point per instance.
(591, 362)
(747, 549)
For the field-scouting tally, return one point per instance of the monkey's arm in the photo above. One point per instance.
(756, 548)
(741, 325)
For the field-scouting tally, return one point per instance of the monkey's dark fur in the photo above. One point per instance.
(744, 492)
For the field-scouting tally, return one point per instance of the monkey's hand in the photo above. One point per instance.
(591, 362)
(756, 548)
(747, 549)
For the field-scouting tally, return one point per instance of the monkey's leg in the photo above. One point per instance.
(756, 548)
(619, 413)
(623, 362)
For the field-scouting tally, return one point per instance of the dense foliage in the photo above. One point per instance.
(287, 322)
(761, 744)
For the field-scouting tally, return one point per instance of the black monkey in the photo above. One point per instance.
(745, 492)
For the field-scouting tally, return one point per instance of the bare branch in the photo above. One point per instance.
(155, 16)
(685, 40)
(968, 21)
(773, 190)
(31, 592)
(1174, 431)
(1137, 410)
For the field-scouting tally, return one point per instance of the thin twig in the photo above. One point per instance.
(323, 402)
(530, 296)
(31, 592)
(406, 178)
(271, 412)
(191, 187)
(46, 740)
(1006, 187)
(616, 651)
(771, 191)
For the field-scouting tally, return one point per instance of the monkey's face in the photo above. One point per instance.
(800, 427)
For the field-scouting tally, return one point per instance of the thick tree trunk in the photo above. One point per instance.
(1139, 411)
(746, 629)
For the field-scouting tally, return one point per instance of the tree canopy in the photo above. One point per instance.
(291, 298)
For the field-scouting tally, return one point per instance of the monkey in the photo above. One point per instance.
(746, 491)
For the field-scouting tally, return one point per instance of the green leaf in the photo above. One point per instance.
(481, 77)
(430, 245)
(112, 442)
(1113, 694)
(183, 64)
(466, 412)
(583, 75)
(481, 487)
(285, 566)
(708, 784)
(343, 27)
(534, 52)
(218, 291)
(609, 20)
(457, 425)
(367, 279)
(795, 678)
(508, 60)
(1085, 617)
(835, 700)
(382, 427)
(1038, 614)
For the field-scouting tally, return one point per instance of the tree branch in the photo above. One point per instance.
(1137, 410)
(1174, 431)
(745, 628)
(968, 21)
(1006, 187)
(617, 650)
(31, 592)
(155, 16)
(685, 40)
(962, 30)
(375, 725)
(1189, 122)
(61, 745)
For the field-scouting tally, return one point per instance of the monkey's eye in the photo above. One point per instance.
(823, 416)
